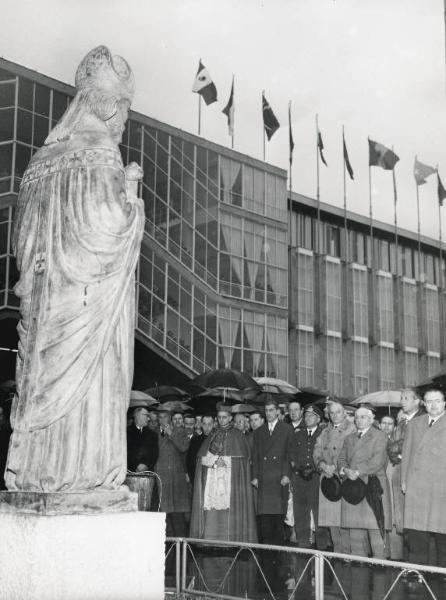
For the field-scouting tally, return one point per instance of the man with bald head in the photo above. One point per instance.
(364, 454)
(326, 452)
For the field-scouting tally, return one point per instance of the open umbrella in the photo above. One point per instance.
(175, 406)
(162, 391)
(207, 400)
(224, 378)
(384, 398)
(138, 398)
(276, 386)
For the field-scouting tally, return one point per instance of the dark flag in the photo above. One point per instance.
(381, 156)
(441, 190)
(320, 145)
(270, 123)
(229, 110)
(291, 134)
(347, 164)
(204, 85)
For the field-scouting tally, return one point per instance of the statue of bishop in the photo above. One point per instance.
(77, 235)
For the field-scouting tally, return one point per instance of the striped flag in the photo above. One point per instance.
(381, 156)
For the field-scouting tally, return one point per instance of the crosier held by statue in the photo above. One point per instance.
(77, 235)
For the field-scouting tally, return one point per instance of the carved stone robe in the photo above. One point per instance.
(77, 237)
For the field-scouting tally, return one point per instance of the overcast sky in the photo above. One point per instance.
(375, 66)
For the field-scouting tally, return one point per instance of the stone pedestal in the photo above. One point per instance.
(90, 556)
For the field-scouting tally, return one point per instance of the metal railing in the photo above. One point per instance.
(320, 561)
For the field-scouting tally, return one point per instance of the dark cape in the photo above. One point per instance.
(238, 522)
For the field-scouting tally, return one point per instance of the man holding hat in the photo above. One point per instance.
(363, 455)
(171, 468)
(325, 455)
(305, 477)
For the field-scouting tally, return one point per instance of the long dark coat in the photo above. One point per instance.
(270, 463)
(171, 467)
(142, 447)
(368, 455)
(395, 451)
(423, 471)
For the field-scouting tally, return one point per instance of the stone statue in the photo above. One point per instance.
(77, 235)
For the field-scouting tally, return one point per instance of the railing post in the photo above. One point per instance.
(183, 566)
(177, 568)
(319, 577)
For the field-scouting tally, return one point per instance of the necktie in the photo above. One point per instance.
(271, 430)
(431, 422)
(360, 434)
(310, 433)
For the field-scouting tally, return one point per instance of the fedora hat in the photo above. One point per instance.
(353, 491)
(331, 488)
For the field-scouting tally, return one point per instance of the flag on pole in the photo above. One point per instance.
(347, 163)
(229, 110)
(381, 156)
(290, 134)
(421, 171)
(320, 145)
(270, 123)
(204, 85)
(441, 190)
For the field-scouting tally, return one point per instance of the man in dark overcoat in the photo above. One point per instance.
(142, 442)
(305, 476)
(271, 474)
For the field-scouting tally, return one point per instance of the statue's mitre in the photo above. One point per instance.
(99, 70)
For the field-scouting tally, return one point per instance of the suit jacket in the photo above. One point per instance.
(270, 463)
(423, 471)
(142, 447)
(171, 467)
(368, 455)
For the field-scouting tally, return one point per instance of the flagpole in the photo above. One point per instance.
(441, 249)
(233, 120)
(370, 204)
(395, 217)
(318, 199)
(345, 201)
(419, 228)
(199, 114)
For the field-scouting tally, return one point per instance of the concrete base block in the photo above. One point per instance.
(109, 556)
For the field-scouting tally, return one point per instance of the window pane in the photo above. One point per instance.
(5, 160)
(40, 130)
(60, 102)
(24, 126)
(5, 185)
(6, 74)
(42, 100)
(7, 94)
(22, 158)
(6, 124)
(26, 93)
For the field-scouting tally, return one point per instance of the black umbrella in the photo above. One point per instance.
(224, 378)
(208, 400)
(171, 392)
(373, 494)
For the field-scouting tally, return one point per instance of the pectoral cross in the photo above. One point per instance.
(39, 266)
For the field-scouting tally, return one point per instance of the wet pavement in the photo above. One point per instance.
(267, 575)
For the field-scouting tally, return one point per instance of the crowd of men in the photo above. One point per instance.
(314, 477)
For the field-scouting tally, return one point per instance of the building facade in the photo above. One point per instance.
(212, 276)
(363, 315)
